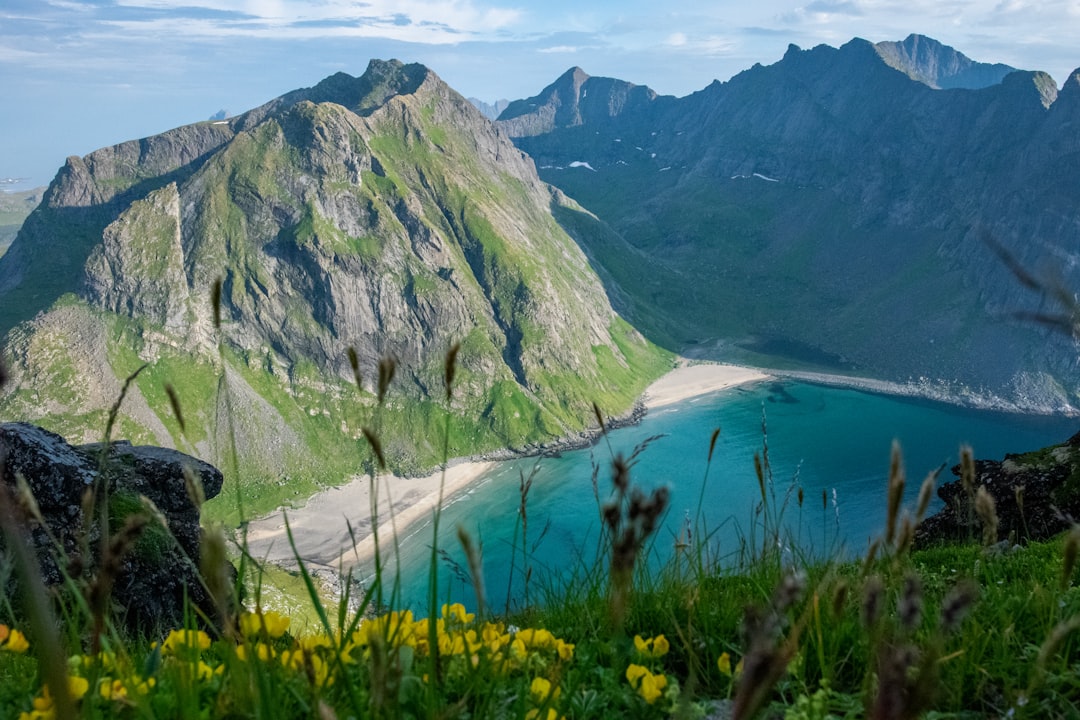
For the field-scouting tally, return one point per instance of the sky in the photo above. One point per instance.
(77, 75)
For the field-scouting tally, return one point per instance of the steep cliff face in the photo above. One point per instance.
(382, 213)
(832, 209)
(939, 66)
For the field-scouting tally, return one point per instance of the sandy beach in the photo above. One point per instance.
(321, 527)
(689, 381)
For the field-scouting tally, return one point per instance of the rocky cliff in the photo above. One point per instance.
(837, 209)
(382, 213)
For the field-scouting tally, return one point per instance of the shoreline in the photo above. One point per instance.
(321, 526)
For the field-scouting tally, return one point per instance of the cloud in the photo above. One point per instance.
(410, 20)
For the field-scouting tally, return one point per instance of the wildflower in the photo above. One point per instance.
(112, 689)
(43, 704)
(541, 690)
(13, 640)
(648, 685)
(653, 647)
(723, 663)
(456, 612)
(180, 641)
(274, 624)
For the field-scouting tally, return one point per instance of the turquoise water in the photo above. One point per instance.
(822, 439)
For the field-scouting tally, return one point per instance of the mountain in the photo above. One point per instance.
(14, 208)
(489, 110)
(382, 213)
(831, 210)
(939, 66)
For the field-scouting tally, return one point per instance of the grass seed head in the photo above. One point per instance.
(956, 605)
(986, 509)
(194, 487)
(1070, 553)
(376, 446)
(839, 598)
(174, 401)
(712, 442)
(873, 594)
(895, 492)
(215, 302)
(926, 494)
(911, 603)
(967, 471)
(354, 363)
(450, 368)
(387, 368)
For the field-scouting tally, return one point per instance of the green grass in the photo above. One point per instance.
(692, 635)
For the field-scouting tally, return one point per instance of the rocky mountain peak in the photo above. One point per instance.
(575, 99)
(941, 67)
(382, 213)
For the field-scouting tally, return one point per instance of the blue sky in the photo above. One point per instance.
(76, 75)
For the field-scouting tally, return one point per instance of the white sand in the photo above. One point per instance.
(321, 527)
(689, 381)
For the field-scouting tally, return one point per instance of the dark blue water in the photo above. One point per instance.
(820, 439)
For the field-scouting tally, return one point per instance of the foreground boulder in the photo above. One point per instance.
(160, 567)
(1036, 496)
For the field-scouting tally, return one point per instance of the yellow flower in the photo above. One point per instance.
(182, 640)
(723, 663)
(649, 686)
(275, 624)
(77, 686)
(653, 647)
(540, 690)
(16, 641)
(457, 612)
(112, 689)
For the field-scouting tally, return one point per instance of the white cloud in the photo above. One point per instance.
(432, 21)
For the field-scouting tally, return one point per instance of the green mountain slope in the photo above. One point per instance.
(382, 213)
(835, 211)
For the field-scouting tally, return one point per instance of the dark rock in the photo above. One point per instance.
(160, 569)
(1037, 495)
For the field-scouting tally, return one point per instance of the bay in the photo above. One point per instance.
(832, 443)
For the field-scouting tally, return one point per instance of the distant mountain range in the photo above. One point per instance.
(14, 209)
(840, 208)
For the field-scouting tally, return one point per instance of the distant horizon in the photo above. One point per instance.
(86, 74)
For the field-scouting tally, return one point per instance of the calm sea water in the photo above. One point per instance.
(823, 439)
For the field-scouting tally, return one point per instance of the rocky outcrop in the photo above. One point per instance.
(1036, 496)
(159, 569)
